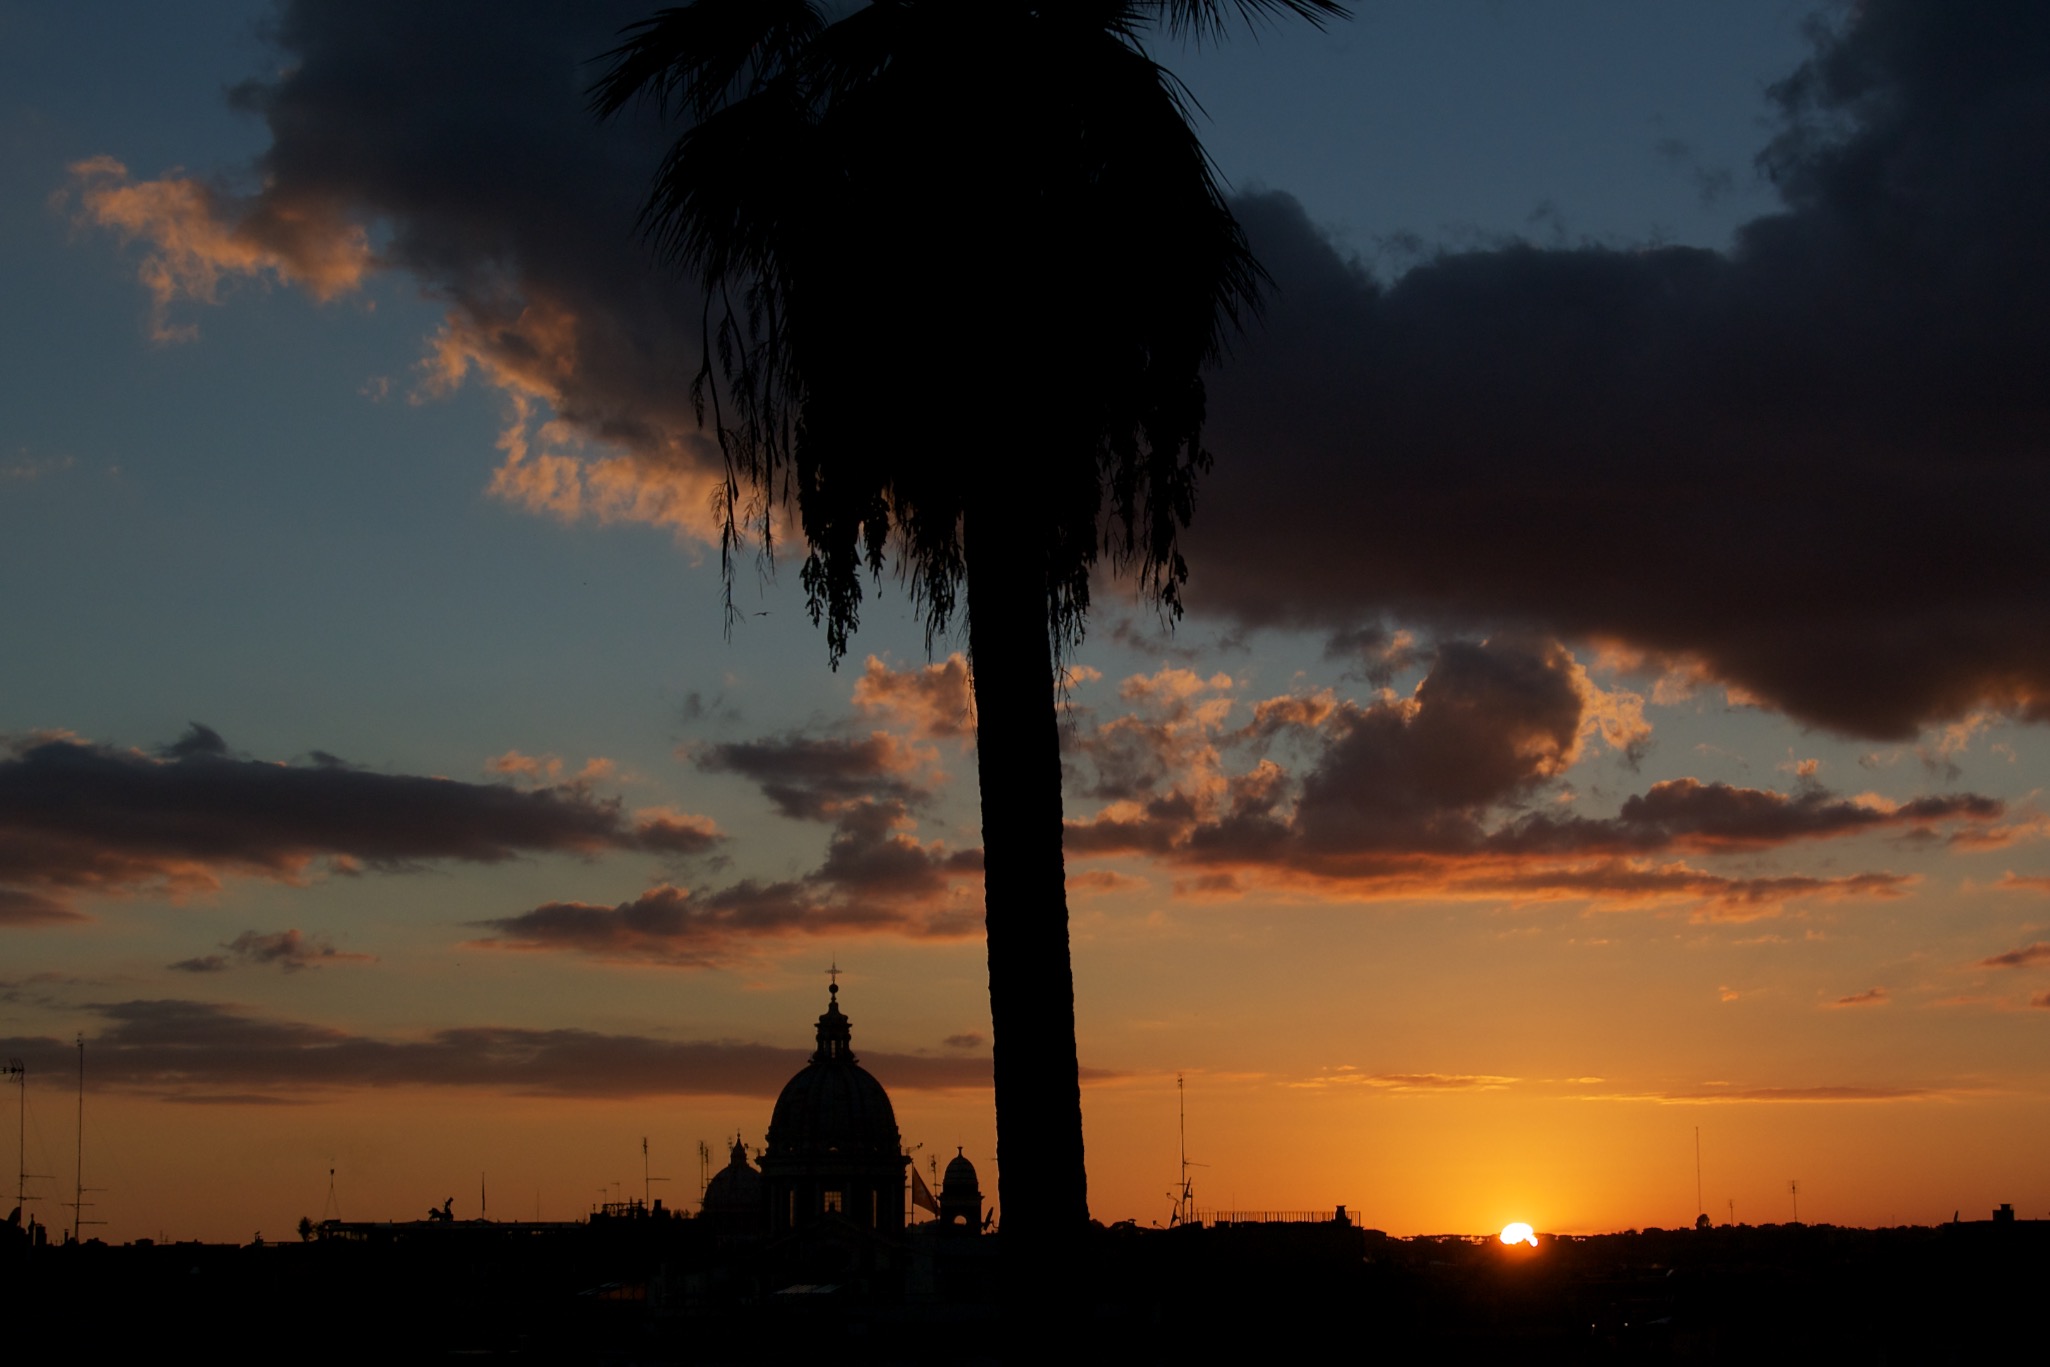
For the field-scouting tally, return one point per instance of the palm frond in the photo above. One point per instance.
(1210, 20)
(695, 57)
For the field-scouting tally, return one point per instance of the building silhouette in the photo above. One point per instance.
(736, 1203)
(960, 1197)
(834, 1153)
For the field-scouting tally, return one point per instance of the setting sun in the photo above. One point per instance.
(1519, 1233)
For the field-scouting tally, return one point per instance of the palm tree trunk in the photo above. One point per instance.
(1042, 1187)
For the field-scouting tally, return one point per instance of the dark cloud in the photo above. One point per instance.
(77, 817)
(1815, 463)
(1807, 1094)
(1452, 791)
(970, 1040)
(1688, 814)
(2025, 957)
(22, 908)
(1871, 996)
(200, 740)
(199, 1051)
(1810, 465)
(289, 950)
(876, 878)
(813, 778)
(1486, 725)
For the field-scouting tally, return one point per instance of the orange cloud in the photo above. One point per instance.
(548, 768)
(198, 236)
(933, 700)
(586, 434)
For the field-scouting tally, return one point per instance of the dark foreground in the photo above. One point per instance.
(658, 1292)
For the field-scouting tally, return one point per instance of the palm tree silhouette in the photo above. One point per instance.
(964, 261)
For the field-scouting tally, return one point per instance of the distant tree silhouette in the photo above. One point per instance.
(306, 1229)
(964, 263)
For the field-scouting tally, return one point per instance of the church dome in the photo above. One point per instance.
(960, 1198)
(960, 1176)
(833, 1108)
(736, 1188)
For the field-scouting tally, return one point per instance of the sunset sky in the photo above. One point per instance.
(1611, 703)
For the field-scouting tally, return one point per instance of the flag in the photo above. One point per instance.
(921, 1194)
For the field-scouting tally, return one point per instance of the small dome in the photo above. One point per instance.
(960, 1200)
(833, 1107)
(960, 1176)
(735, 1188)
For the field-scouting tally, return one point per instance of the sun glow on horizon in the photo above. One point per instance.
(1517, 1232)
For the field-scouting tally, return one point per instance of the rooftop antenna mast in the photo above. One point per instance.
(78, 1203)
(18, 1070)
(1700, 1209)
(645, 1179)
(1794, 1190)
(1185, 1199)
(333, 1209)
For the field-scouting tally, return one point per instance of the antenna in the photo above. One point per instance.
(1794, 1190)
(1185, 1199)
(333, 1209)
(18, 1070)
(78, 1203)
(1700, 1208)
(646, 1204)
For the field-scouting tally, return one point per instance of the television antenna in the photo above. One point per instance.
(78, 1203)
(1185, 1199)
(646, 1180)
(1700, 1206)
(1794, 1190)
(18, 1070)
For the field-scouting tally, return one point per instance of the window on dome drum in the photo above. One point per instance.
(833, 1204)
